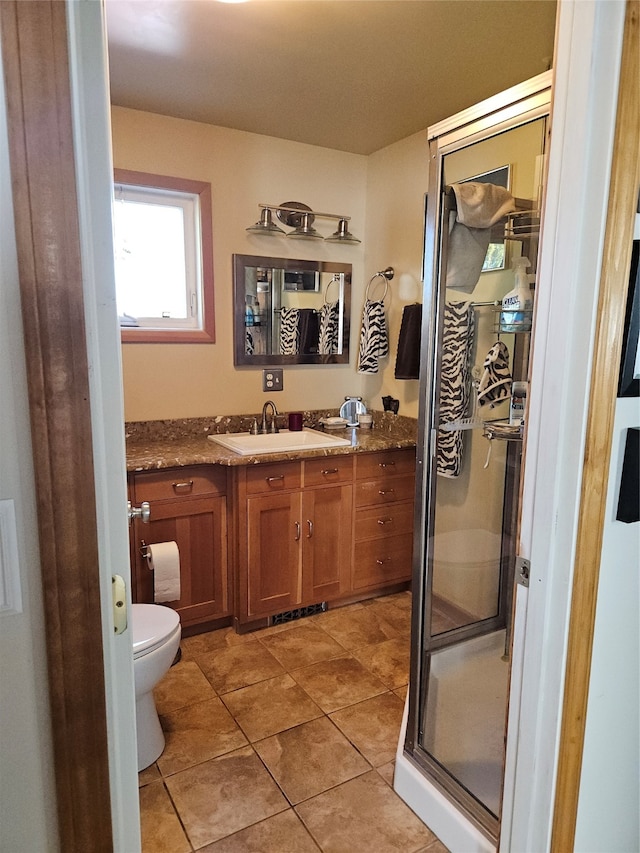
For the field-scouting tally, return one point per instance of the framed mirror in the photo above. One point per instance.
(289, 311)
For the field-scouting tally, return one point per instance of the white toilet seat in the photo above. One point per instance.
(152, 626)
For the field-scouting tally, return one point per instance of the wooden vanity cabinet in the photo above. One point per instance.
(297, 548)
(188, 506)
(383, 525)
(328, 528)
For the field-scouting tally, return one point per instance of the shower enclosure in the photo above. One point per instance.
(470, 447)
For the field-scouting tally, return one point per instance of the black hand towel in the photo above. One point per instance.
(309, 330)
(408, 357)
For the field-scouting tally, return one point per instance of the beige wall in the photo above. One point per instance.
(384, 195)
(396, 190)
(197, 380)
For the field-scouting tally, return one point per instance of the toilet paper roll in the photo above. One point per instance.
(164, 560)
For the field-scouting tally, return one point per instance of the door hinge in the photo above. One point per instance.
(523, 570)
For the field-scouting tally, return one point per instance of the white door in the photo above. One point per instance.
(586, 70)
(92, 143)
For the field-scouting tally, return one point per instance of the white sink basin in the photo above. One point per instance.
(279, 442)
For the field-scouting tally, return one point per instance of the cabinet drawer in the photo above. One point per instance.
(376, 522)
(380, 561)
(175, 483)
(276, 477)
(385, 490)
(329, 469)
(370, 465)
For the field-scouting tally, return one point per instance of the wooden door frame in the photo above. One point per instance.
(39, 113)
(614, 282)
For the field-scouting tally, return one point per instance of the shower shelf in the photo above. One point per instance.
(522, 225)
(502, 430)
(463, 423)
(507, 328)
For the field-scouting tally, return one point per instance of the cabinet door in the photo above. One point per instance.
(273, 553)
(326, 525)
(199, 528)
(379, 562)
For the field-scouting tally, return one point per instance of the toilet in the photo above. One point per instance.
(156, 640)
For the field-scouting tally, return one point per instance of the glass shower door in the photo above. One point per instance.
(472, 476)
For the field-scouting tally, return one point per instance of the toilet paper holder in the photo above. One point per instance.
(146, 552)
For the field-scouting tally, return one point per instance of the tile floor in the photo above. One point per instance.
(283, 740)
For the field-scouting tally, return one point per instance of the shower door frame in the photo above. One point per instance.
(511, 109)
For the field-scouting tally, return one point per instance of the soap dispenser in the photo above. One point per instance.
(517, 305)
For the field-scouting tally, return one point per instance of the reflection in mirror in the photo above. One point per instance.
(290, 311)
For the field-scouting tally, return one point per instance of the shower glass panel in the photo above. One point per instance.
(476, 485)
(471, 458)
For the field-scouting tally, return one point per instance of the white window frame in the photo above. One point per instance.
(194, 198)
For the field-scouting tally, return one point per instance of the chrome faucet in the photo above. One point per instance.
(274, 415)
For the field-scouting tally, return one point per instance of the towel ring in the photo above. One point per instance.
(387, 275)
(336, 277)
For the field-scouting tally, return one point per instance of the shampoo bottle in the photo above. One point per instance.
(248, 313)
(517, 305)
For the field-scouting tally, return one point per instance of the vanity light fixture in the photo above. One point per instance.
(305, 230)
(266, 225)
(300, 217)
(342, 234)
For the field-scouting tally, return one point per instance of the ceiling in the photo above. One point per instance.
(353, 75)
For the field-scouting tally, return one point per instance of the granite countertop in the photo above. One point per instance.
(152, 445)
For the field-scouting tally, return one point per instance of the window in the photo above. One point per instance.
(163, 258)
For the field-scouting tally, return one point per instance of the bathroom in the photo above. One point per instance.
(378, 191)
(383, 261)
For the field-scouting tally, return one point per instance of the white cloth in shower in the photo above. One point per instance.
(478, 207)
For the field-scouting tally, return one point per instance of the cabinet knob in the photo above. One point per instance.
(386, 464)
(327, 471)
(386, 491)
(274, 479)
(296, 524)
(386, 520)
(383, 561)
(310, 526)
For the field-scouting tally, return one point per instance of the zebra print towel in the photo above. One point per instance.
(457, 342)
(329, 320)
(298, 331)
(289, 331)
(374, 343)
(495, 384)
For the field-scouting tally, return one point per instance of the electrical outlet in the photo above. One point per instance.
(272, 379)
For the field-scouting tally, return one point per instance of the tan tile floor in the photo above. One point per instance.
(284, 740)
